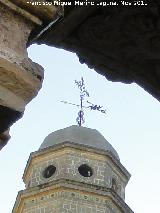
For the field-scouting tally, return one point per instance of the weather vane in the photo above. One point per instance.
(83, 95)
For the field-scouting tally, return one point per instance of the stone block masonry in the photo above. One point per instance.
(20, 77)
(68, 176)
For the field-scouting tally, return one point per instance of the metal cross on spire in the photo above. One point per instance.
(83, 95)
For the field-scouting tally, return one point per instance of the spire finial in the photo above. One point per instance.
(83, 94)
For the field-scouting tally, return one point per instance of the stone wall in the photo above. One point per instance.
(73, 178)
(67, 164)
(20, 77)
(70, 202)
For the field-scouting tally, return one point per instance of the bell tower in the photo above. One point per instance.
(75, 170)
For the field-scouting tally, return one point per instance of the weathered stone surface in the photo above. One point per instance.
(62, 197)
(20, 78)
(67, 189)
(46, 11)
(122, 43)
(79, 135)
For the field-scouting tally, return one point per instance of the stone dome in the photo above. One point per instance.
(79, 135)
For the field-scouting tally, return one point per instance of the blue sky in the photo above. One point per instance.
(131, 125)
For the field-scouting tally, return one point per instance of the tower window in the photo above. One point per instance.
(85, 170)
(49, 171)
(114, 184)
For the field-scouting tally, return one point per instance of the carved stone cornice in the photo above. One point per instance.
(64, 188)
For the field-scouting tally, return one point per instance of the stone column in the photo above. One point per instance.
(20, 77)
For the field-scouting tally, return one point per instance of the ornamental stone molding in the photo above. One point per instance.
(20, 77)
